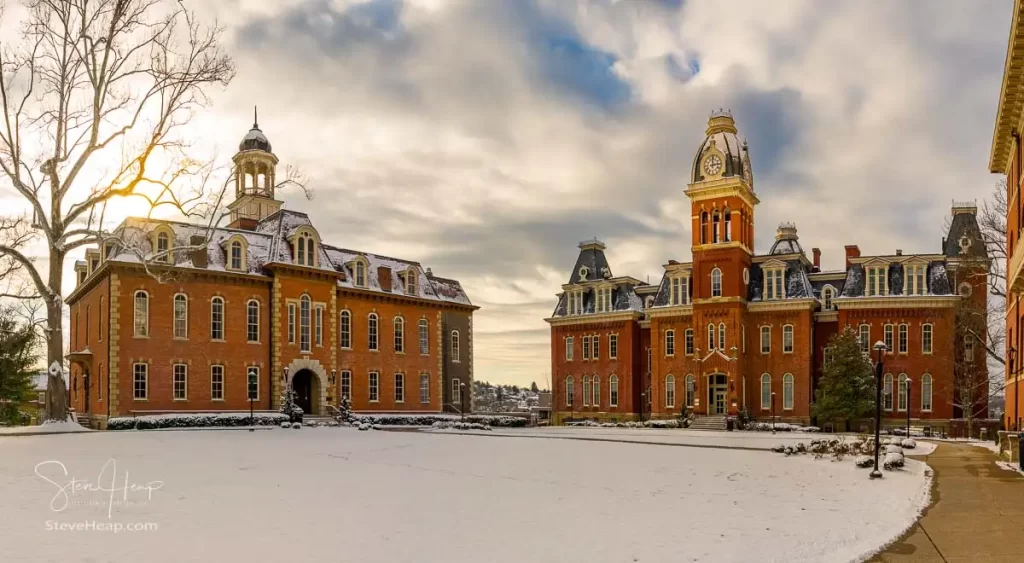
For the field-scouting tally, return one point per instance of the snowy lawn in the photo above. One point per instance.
(751, 440)
(343, 495)
(44, 428)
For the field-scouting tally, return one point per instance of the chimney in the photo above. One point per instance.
(816, 252)
(852, 251)
(899, 252)
(384, 278)
(430, 272)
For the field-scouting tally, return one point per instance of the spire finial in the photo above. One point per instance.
(255, 120)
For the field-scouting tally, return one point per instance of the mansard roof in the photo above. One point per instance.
(964, 239)
(624, 298)
(798, 286)
(936, 274)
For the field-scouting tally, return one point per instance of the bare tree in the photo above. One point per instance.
(94, 97)
(971, 388)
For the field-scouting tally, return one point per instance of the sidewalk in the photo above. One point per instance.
(976, 512)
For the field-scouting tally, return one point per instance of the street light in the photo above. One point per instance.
(1016, 389)
(251, 392)
(643, 396)
(909, 395)
(462, 397)
(773, 412)
(880, 348)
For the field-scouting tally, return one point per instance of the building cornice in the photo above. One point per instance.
(711, 246)
(1011, 97)
(718, 300)
(897, 302)
(678, 310)
(105, 266)
(806, 303)
(826, 317)
(723, 187)
(598, 318)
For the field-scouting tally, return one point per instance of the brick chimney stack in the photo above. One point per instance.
(852, 251)
(816, 252)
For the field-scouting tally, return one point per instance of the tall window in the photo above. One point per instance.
(575, 302)
(100, 320)
(595, 389)
(865, 338)
(904, 338)
(766, 340)
(140, 382)
(455, 346)
(969, 349)
(721, 337)
(902, 402)
(371, 331)
(704, 227)
(716, 283)
(399, 335)
(569, 391)
(346, 384)
(711, 337)
(773, 284)
(787, 339)
(345, 332)
(595, 347)
(613, 391)
(613, 346)
(688, 341)
(714, 226)
(291, 323)
(586, 390)
(889, 338)
(141, 313)
(374, 387)
(305, 305)
(252, 320)
(360, 273)
(410, 281)
(887, 393)
(569, 348)
(180, 316)
(766, 392)
(787, 392)
(691, 390)
(926, 339)
(586, 348)
(217, 318)
(670, 342)
(877, 284)
(163, 244)
(424, 388)
(604, 299)
(399, 388)
(680, 290)
(728, 225)
(306, 249)
(827, 295)
(915, 280)
(457, 391)
(318, 326)
(179, 383)
(217, 383)
(252, 376)
(424, 337)
(926, 392)
(670, 391)
(236, 255)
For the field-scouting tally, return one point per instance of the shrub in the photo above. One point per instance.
(864, 461)
(893, 449)
(430, 419)
(212, 420)
(909, 443)
(446, 425)
(893, 461)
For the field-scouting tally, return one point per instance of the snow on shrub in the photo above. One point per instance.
(365, 426)
(893, 461)
(296, 425)
(864, 461)
(778, 448)
(779, 427)
(909, 443)
(286, 424)
(430, 419)
(156, 421)
(893, 449)
(446, 425)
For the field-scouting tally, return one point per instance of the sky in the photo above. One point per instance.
(485, 139)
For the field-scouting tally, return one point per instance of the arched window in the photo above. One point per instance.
(721, 337)
(345, 330)
(305, 306)
(595, 389)
(455, 346)
(613, 391)
(163, 244)
(236, 255)
(766, 392)
(828, 293)
(217, 318)
(716, 283)
(252, 320)
(424, 337)
(704, 227)
(180, 316)
(371, 331)
(305, 250)
(141, 313)
(399, 334)
(714, 226)
(728, 225)
(887, 393)
(360, 269)
(301, 244)
(902, 402)
(787, 392)
(691, 390)
(586, 390)
(670, 391)
(569, 391)
(711, 337)
(926, 392)
(926, 338)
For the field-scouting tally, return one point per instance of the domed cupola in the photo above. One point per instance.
(786, 241)
(722, 154)
(255, 182)
(254, 140)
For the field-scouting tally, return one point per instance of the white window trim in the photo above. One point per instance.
(779, 290)
(293, 321)
(318, 325)
(764, 406)
(456, 346)
(720, 282)
(670, 351)
(345, 314)
(420, 326)
(372, 386)
(223, 318)
(569, 343)
(889, 337)
(345, 374)
(425, 378)
(399, 377)
(792, 339)
(902, 390)
(670, 391)
(223, 383)
(174, 319)
(135, 314)
(688, 343)
(903, 346)
(586, 348)
(931, 383)
(398, 336)
(247, 323)
(307, 329)
(145, 381)
(373, 333)
(613, 350)
(931, 330)
(761, 341)
(613, 391)
(788, 378)
(174, 375)
(248, 369)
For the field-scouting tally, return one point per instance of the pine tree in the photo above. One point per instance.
(847, 389)
(288, 405)
(533, 387)
(345, 411)
(17, 356)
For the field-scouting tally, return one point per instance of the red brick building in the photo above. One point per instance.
(173, 317)
(731, 328)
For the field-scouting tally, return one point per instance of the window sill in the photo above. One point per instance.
(220, 340)
(399, 402)
(346, 348)
(138, 337)
(374, 400)
(185, 400)
(221, 400)
(137, 400)
(180, 338)
(399, 353)
(253, 342)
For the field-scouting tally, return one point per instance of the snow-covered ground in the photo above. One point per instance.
(44, 428)
(342, 495)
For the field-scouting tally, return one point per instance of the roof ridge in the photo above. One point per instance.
(352, 251)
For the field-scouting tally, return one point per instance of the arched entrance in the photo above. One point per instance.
(718, 388)
(307, 391)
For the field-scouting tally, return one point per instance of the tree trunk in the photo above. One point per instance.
(56, 391)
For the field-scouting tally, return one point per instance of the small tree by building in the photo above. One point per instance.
(288, 405)
(847, 389)
(533, 388)
(17, 356)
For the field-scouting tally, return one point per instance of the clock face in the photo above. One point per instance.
(713, 165)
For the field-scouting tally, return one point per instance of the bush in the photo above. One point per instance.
(909, 443)
(446, 425)
(286, 424)
(864, 461)
(430, 419)
(893, 461)
(779, 427)
(212, 420)
(893, 449)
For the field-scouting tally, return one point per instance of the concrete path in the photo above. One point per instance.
(977, 512)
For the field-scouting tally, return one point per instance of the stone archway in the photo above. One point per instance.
(318, 401)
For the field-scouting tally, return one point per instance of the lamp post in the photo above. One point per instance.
(1016, 388)
(773, 412)
(880, 348)
(908, 406)
(462, 397)
(251, 389)
(643, 396)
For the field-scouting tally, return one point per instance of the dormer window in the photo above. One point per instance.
(575, 303)
(583, 272)
(359, 272)
(410, 281)
(162, 239)
(604, 299)
(236, 249)
(81, 276)
(916, 280)
(236, 255)
(774, 283)
(828, 293)
(305, 249)
(679, 290)
(877, 283)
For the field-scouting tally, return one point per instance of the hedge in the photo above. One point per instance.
(156, 421)
(430, 419)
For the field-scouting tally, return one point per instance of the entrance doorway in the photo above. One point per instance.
(307, 390)
(717, 391)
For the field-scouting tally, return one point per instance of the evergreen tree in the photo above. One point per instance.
(533, 387)
(847, 389)
(17, 356)
(288, 405)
